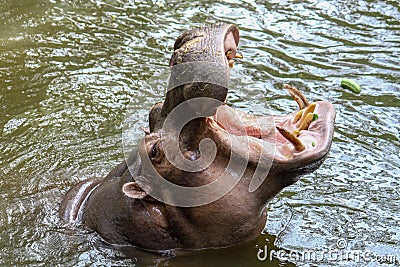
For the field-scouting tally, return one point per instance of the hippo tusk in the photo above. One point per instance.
(309, 110)
(238, 55)
(298, 116)
(297, 96)
(305, 115)
(306, 121)
(296, 142)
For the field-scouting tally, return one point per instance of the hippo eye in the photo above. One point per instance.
(153, 152)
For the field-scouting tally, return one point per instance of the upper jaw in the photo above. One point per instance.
(200, 68)
(208, 44)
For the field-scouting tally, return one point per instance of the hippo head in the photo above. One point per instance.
(213, 167)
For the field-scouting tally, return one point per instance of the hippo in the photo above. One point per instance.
(203, 175)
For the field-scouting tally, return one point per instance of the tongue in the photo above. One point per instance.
(241, 124)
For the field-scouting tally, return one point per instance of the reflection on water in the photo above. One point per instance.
(69, 70)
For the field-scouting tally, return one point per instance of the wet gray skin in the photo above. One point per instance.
(121, 212)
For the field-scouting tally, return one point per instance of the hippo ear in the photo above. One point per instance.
(146, 130)
(133, 190)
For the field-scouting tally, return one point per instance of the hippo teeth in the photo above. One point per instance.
(301, 120)
(298, 116)
(305, 115)
(238, 55)
(230, 57)
(292, 138)
(297, 96)
(229, 53)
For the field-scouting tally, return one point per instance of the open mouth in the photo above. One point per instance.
(298, 139)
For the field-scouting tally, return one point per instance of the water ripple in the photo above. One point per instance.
(69, 70)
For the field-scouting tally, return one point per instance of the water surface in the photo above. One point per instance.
(69, 69)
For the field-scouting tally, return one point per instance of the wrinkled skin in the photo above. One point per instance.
(122, 212)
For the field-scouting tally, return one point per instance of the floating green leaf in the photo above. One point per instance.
(351, 85)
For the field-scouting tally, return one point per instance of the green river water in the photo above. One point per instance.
(69, 69)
